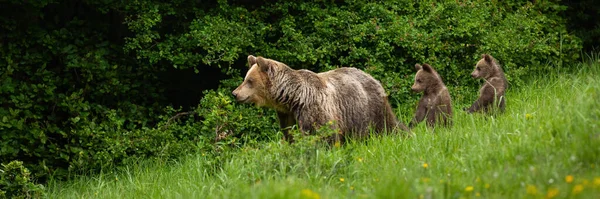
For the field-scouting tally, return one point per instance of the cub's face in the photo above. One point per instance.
(253, 89)
(483, 68)
(424, 78)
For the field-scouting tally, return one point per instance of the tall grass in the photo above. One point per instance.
(546, 144)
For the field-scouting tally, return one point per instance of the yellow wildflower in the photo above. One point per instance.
(586, 182)
(477, 194)
(597, 181)
(425, 165)
(577, 189)
(360, 159)
(487, 186)
(552, 192)
(307, 193)
(531, 189)
(341, 179)
(337, 144)
(351, 187)
(528, 116)
(469, 188)
(569, 178)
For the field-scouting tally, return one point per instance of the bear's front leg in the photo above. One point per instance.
(419, 114)
(486, 98)
(286, 121)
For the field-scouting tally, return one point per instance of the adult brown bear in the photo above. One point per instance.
(349, 97)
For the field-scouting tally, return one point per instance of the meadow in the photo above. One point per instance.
(546, 145)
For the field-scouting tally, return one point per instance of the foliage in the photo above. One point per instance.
(16, 182)
(70, 96)
(384, 38)
(91, 84)
(234, 123)
(583, 19)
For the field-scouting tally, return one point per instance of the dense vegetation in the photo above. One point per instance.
(87, 85)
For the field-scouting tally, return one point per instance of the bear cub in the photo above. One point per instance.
(435, 105)
(491, 94)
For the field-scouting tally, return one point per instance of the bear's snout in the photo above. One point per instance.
(416, 88)
(236, 95)
(239, 96)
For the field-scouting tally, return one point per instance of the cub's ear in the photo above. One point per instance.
(418, 67)
(428, 68)
(264, 65)
(251, 60)
(487, 58)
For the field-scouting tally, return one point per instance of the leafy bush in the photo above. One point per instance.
(84, 84)
(583, 19)
(229, 122)
(16, 182)
(384, 38)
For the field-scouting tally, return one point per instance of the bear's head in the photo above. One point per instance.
(257, 83)
(485, 67)
(425, 78)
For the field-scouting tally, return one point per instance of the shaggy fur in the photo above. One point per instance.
(351, 98)
(435, 105)
(491, 94)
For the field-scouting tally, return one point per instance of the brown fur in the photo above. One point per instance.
(435, 105)
(491, 94)
(348, 96)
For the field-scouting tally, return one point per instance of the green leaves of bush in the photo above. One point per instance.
(16, 182)
(384, 38)
(228, 121)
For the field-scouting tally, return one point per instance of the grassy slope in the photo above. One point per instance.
(549, 132)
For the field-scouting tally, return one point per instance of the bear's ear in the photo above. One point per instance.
(251, 60)
(487, 58)
(264, 65)
(428, 68)
(418, 67)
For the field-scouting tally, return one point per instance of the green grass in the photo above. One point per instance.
(550, 132)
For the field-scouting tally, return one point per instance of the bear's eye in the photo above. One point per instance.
(419, 81)
(478, 68)
(249, 81)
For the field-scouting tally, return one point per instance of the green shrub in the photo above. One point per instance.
(384, 38)
(229, 121)
(583, 19)
(16, 182)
